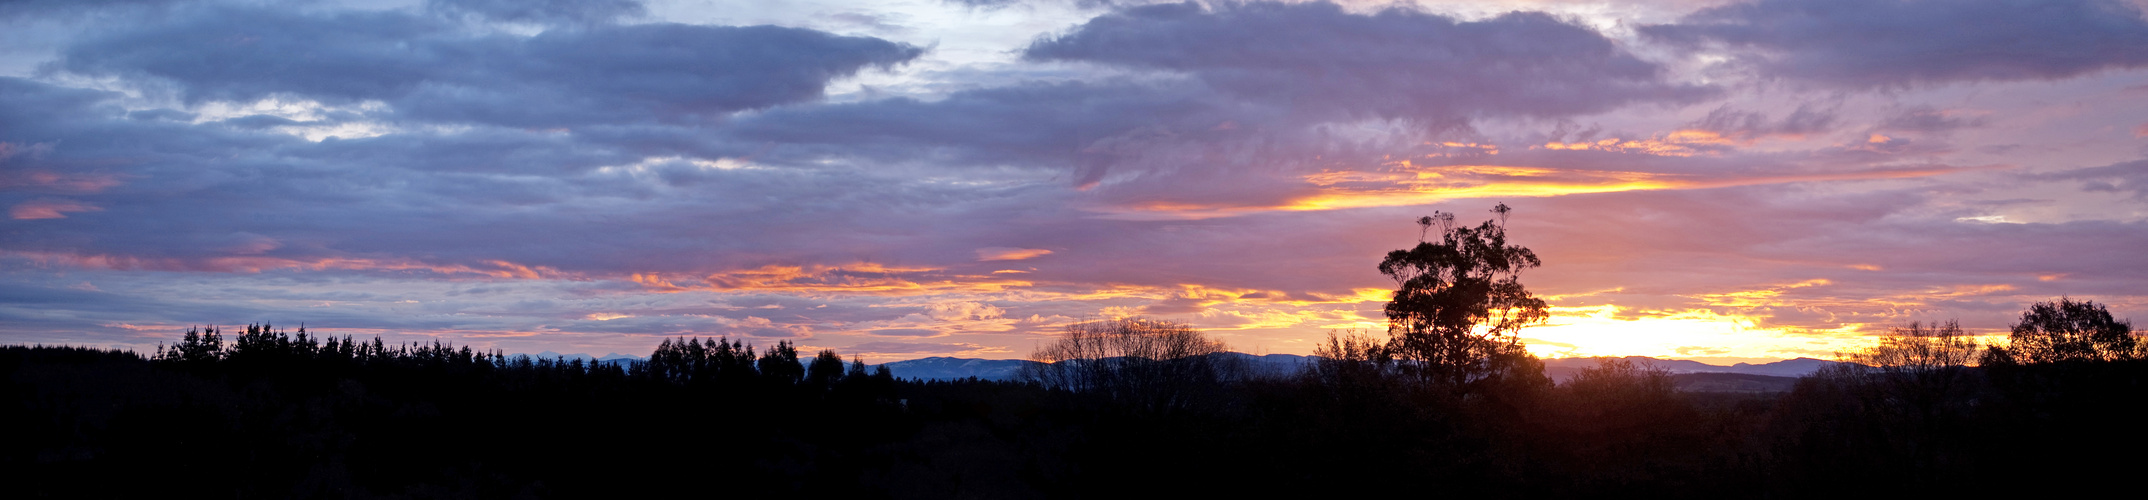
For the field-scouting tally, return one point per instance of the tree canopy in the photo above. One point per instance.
(1460, 301)
(2051, 332)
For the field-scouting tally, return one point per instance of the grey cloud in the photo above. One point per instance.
(262, 121)
(166, 114)
(427, 70)
(12, 8)
(1807, 119)
(1087, 128)
(541, 11)
(1928, 119)
(1237, 112)
(2123, 177)
(189, 197)
(1880, 43)
(1396, 63)
(246, 54)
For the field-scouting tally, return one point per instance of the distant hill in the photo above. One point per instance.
(1559, 369)
(612, 358)
(1274, 364)
(1732, 382)
(947, 368)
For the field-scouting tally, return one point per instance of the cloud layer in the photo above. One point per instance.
(588, 176)
(1896, 42)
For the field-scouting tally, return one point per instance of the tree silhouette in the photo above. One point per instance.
(1919, 349)
(1153, 365)
(197, 348)
(1454, 319)
(780, 364)
(827, 368)
(2051, 332)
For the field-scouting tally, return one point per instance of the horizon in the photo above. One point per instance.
(1722, 362)
(1741, 181)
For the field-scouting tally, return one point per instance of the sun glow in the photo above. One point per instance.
(1405, 183)
(1610, 330)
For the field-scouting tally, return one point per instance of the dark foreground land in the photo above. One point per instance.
(303, 419)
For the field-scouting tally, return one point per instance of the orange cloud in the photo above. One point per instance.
(49, 209)
(1405, 184)
(50, 181)
(1679, 143)
(989, 254)
(1757, 298)
(865, 277)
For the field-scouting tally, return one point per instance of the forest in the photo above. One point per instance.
(1446, 404)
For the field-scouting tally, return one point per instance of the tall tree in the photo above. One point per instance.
(1460, 304)
(780, 364)
(826, 369)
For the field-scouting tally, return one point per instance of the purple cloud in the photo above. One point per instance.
(1396, 63)
(1884, 43)
(428, 69)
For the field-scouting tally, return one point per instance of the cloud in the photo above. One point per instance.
(916, 348)
(2122, 177)
(48, 209)
(990, 254)
(1888, 43)
(706, 325)
(1734, 124)
(62, 8)
(1930, 119)
(1395, 63)
(546, 179)
(1086, 128)
(905, 332)
(862, 277)
(426, 69)
(541, 11)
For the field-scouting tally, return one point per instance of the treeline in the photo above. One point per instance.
(263, 414)
(264, 350)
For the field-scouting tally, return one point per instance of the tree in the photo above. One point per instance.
(197, 348)
(1919, 367)
(1455, 318)
(2051, 332)
(1153, 365)
(827, 368)
(780, 364)
(1919, 349)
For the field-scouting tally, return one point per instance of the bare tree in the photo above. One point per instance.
(1919, 348)
(1914, 388)
(1351, 359)
(1155, 365)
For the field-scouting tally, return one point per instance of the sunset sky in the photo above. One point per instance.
(1721, 181)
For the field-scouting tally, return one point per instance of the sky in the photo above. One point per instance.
(1721, 181)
